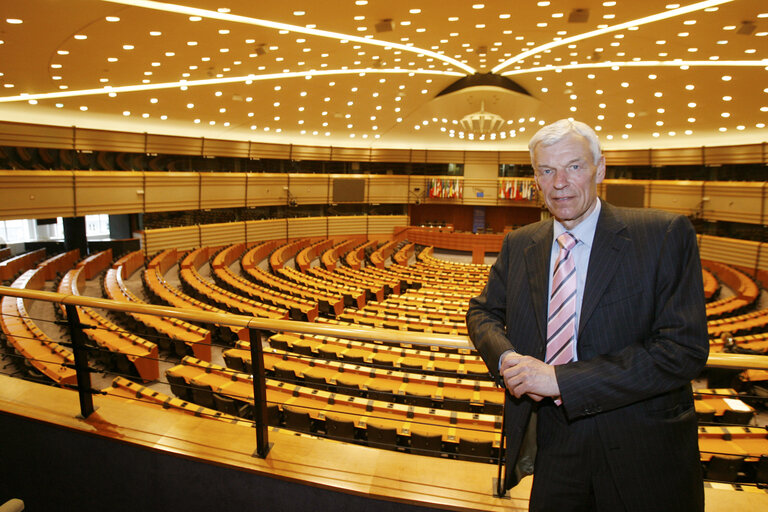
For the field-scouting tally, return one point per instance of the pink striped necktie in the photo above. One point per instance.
(561, 324)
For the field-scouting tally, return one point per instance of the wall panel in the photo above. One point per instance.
(228, 233)
(36, 194)
(748, 153)
(103, 140)
(445, 157)
(183, 238)
(676, 196)
(112, 191)
(515, 157)
(311, 188)
(171, 145)
(307, 227)
(266, 150)
(481, 157)
(390, 155)
(347, 225)
(269, 229)
(351, 154)
(172, 191)
(388, 189)
(682, 156)
(222, 190)
(36, 135)
(730, 251)
(266, 189)
(733, 201)
(385, 225)
(226, 148)
(628, 157)
(311, 153)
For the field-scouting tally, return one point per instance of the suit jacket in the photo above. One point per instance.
(642, 338)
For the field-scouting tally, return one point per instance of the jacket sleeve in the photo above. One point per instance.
(672, 354)
(486, 314)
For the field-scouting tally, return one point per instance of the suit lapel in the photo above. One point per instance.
(537, 256)
(608, 250)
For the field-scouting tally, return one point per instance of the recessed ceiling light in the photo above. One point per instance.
(112, 19)
(415, 11)
(80, 37)
(195, 18)
(299, 13)
(155, 33)
(14, 21)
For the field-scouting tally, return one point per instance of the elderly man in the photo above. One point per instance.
(595, 324)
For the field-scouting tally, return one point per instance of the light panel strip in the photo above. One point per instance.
(204, 13)
(214, 81)
(644, 64)
(621, 26)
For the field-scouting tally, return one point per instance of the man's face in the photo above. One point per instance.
(568, 177)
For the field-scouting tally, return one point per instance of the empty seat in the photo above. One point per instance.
(426, 443)
(202, 394)
(474, 450)
(233, 362)
(303, 349)
(278, 344)
(346, 386)
(731, 417)
(340, 427)
(380, 391)
(381, 434)
(493, 408)
(724, 468)
(315, 380)
(229, 405)
(285, 374)
(417, 399)
(179, 387)
(297, 419)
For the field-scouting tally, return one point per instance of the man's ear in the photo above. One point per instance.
(600, 173)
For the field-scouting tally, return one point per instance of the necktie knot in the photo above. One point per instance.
(567, 241)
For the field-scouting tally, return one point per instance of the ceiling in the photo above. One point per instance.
(368, 73)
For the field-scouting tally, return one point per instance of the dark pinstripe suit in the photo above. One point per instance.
(642, 338)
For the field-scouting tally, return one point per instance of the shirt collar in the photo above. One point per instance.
(585, 230)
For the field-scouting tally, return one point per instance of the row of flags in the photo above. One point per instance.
(517, 189)
(446, 188)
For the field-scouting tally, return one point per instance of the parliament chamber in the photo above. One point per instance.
(301, 202)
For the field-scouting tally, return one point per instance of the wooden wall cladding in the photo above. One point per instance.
(683, 197)
(388, 189)
(183, 238)
(227, 148)
(734, 201)
(390, 155)
(36, 135)
(268, 229)
(172, 191)
(746, 154)
(266, 150)
(385, 224)
(731, 251)
(266, 189)
(214, 235)
(310, 188)
(222, 189)
(311, 153)
(681, 156)
(481, 157)
(628, 157)
(351, 154)
(515, 157)
(445, 157)
(44, 136)
(98, 140)
(115, 192)
(170, 145)
(306, 227)
(36, 194)
(347, 225)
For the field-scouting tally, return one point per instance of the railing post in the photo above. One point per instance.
(259, 395)
(81, 361)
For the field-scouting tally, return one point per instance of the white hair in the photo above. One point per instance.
(555, 132)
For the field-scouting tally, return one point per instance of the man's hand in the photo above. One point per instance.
(525, 375)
